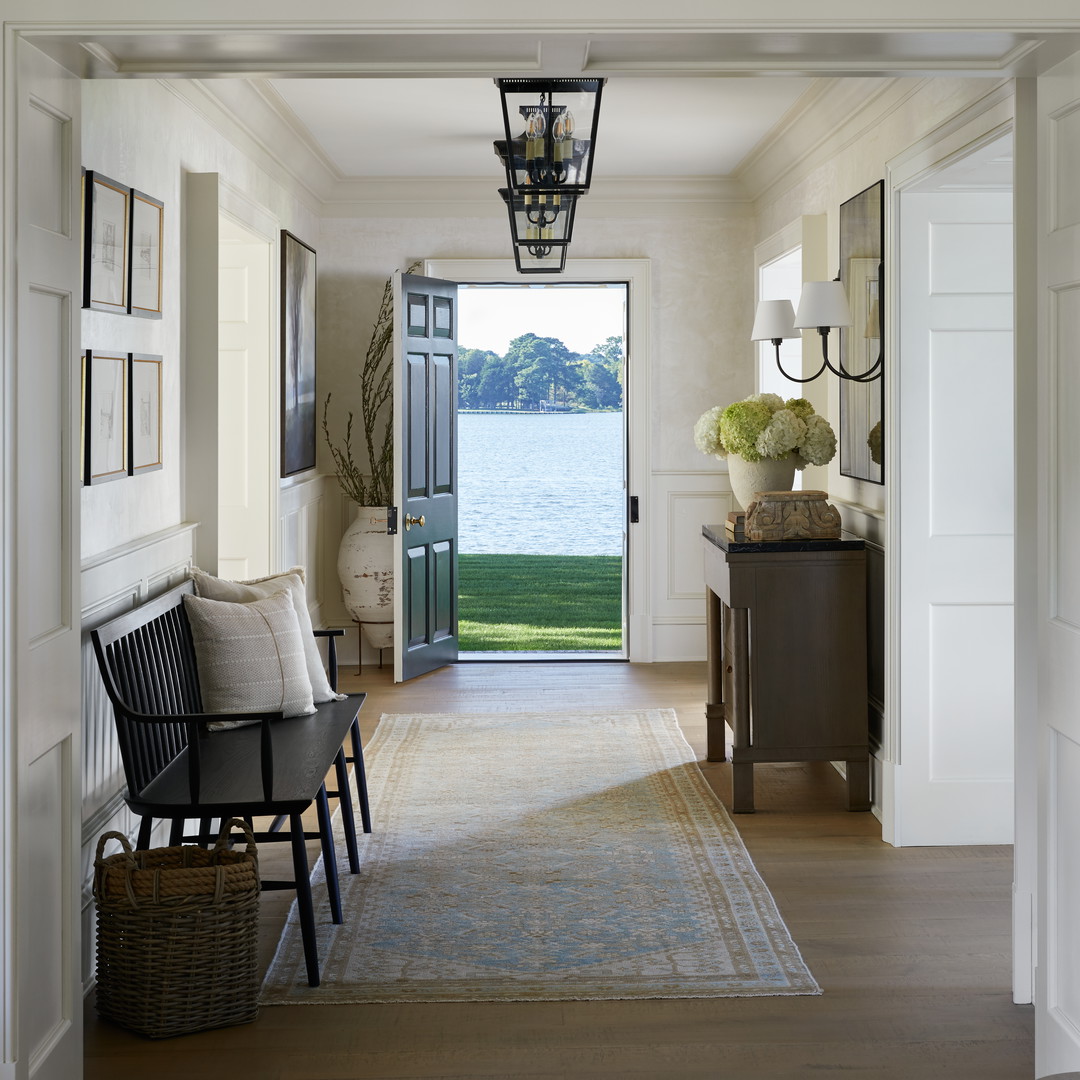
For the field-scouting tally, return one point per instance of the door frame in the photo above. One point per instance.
(997, 116)
(636, 274)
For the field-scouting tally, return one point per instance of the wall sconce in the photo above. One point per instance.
(823, 304)
(541, 227)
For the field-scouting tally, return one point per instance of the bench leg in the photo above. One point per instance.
(348, 820)
(146, 826)
(304, 909)
(176, 832)
(360, 774)
(326, 838)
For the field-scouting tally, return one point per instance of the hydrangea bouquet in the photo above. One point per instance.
(766, 426)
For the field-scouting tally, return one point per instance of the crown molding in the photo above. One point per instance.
(624, 197)
(831, 115)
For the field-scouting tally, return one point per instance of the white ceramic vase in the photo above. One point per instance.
(769, 474)
(366, 569)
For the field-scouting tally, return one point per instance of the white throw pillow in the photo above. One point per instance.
(243, 592)
(250, 656)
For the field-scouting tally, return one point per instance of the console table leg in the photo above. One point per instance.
(714, 697)
(858, 779)
(742, 787)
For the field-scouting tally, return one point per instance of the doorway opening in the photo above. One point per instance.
(542, 452)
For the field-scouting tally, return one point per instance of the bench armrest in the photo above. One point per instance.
(196, 729)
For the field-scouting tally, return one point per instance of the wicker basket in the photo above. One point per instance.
(177, 935)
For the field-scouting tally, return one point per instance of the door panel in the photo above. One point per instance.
(1056, 733)
(955, 779)
(41, 1004)
(425, 474)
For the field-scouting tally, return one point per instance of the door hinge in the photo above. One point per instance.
(391, 520)
(634, 518)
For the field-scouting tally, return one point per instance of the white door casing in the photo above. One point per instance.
(41, 1009)
(638, 635)
(1057, 524)
(955, 777)
(246, 463)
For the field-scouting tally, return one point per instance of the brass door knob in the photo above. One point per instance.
(410, 521)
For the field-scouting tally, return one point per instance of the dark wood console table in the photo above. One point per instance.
(786, 626)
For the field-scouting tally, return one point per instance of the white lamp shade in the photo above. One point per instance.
(775, 319)
(823, 303)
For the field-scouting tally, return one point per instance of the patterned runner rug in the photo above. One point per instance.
(543, 856)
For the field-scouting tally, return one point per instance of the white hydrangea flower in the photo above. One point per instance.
(707, 433)
(819, 445)
(774, 401)
(784, 434)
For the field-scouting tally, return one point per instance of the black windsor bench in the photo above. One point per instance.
(178, 770)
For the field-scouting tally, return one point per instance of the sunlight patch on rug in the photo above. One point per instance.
(542, 856)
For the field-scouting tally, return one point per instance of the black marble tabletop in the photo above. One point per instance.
(715, 534)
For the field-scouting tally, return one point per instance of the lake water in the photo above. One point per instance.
(541, 483)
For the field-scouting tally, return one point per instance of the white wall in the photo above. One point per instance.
(137, 538)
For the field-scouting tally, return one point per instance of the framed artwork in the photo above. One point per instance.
(297, 355)
(106, 219)
(147, 221)
(105, 411)
(862, 404)
(144, 421)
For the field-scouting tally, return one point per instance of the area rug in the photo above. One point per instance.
(543, 856)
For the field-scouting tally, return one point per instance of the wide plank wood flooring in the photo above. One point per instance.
(911, 947)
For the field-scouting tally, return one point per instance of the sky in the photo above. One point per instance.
(579, 316)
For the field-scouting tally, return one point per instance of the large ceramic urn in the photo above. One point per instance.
(366, 569)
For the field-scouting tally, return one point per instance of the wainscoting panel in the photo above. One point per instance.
(686, 501)
(112, 583)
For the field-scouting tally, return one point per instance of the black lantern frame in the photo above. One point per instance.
(542, 227)
(543, 120)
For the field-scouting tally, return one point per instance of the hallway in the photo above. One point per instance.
(911, 947)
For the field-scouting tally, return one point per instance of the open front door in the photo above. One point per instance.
(425, 475)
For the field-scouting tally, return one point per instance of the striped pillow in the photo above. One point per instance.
(250, 657)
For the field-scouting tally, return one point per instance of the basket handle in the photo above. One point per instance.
(236, 823)
(100, 865)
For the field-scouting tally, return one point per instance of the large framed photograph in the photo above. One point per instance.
(862, 404)
(144, 426)
(106, 218)
(105, 411)
(297, 355)
(147, 222)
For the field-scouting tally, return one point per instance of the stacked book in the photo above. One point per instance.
(735, 526)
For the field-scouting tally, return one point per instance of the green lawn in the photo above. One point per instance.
(518, 603)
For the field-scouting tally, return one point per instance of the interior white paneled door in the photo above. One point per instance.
(1057, 992)
(954, 784)
(245, 461)
(41, 1006)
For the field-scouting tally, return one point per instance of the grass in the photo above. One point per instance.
(546, 603)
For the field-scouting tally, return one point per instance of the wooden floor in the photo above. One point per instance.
(911, 947)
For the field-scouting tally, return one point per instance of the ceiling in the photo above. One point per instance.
(445, 127)
(378, 104)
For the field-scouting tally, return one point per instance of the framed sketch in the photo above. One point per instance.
(862, 404)
(147, 221)
(106, 218)
(144, 420)
(105, 410)
(297, 355)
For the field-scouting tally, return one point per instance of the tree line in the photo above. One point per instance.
(539, 372)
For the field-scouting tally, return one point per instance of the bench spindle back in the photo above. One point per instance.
(148, 665)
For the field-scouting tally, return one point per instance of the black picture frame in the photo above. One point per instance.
(105, 408)
(298, 297)
(106, 243)
(862, 404)
(146, 237)
(145, 446)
